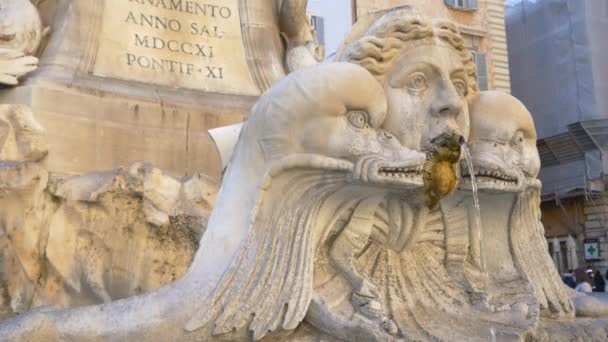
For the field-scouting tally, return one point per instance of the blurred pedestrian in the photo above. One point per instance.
(582, 281)
(568, 279)
(591, 277)
(600, 283)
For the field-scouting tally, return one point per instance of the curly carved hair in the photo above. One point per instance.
(377, 50)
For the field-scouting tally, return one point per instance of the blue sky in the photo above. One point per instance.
(338, 20)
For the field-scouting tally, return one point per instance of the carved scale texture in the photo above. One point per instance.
(423, 297)
(270, 285)
(529, 252)
(456, 235)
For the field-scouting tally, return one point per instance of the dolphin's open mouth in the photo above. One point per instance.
(492, 178)
(485, 175)
(405, 172)
(399, 175)
(399, 172)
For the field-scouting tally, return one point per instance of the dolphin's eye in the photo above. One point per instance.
(417, 82)
(358, 119)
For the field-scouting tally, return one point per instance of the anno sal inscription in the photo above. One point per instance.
(193, 44)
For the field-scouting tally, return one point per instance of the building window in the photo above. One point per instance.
(317, 24)
(465, 5)
(481, 61)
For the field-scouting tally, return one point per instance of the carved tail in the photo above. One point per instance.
(292, 20)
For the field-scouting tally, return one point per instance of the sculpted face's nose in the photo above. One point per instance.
(446, 110)
(447, 100)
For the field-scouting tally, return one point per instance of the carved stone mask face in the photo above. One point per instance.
(426, 90)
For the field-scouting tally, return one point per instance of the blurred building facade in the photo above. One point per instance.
(332, 20)
(558, 55)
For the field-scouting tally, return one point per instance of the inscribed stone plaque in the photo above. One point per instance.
(194, 44)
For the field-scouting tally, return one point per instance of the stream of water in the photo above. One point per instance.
(478, 236)
(469, 160)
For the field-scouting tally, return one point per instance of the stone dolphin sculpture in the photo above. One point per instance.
(306, 138)
(506, 165)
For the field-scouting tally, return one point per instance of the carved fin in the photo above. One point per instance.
(271, 280)
(528, 246)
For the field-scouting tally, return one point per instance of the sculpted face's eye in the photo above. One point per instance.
(417, 82)
(518, 139)
(358, 119)
(461, 87)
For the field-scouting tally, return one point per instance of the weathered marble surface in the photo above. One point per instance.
(70, 241)
(101, 122)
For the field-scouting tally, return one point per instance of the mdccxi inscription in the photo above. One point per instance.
(182, 41)
(151, 21)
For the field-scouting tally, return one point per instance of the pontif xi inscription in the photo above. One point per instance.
(194, 44)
